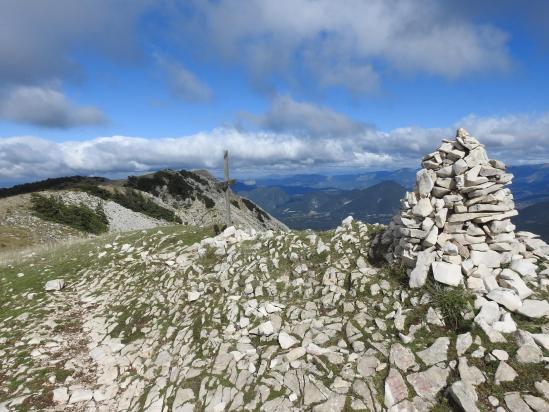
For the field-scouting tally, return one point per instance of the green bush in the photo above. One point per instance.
(80, 217)
(138, 203)
(452, 303)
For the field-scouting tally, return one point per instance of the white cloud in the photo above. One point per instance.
(182, 82)
(38, 38)
(514, 139)
(347, 43)
(47, 107)
(302, 118)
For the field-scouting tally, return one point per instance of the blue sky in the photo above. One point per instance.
(110, 88)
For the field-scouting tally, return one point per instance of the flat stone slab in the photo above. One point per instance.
(437, 352)
(395, 388)
(428, 384)
(447, 273)
(505, 297)
(491, 258)
(534, 308)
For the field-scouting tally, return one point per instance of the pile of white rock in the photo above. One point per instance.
(456, 225)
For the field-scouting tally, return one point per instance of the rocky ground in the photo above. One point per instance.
(175, 319)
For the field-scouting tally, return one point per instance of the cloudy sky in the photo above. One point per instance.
(107, 87)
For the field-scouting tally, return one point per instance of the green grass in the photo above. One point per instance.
(452, 302)
(70, 262)
(12, 238)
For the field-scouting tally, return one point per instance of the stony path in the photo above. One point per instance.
(254, 321)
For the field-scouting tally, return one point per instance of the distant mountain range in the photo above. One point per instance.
(321, 209)
(317, 201)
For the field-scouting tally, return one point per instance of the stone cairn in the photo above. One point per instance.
(456, 225)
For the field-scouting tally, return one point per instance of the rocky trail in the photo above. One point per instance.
(175, 318)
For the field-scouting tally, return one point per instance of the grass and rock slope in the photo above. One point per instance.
(175, 318)
(46, 212)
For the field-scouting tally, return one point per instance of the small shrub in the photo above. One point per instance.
(58, 183)
(138, 203)
(96, 191)
(397, 273)
(209, 203)
(252, 207)
(80, 217)
(452, 303)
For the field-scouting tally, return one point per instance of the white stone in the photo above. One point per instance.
(423, 208)
(489, 313)
(505, 297)
(295, 354)
(447, 273)
(505, 373)
(418, 276)
(534, 308)
(440, 217)
(81, 395)
(425, 182)
(465, 396)
(506, 325)
(193, 295)
(266, 328)
(286, 341)
(60, 395)
(541, 339)
(437, 352)
(54, 285)
(524, 268)
(491, 258)
(463, 342)
(460, 166)
(431, 238)
(395, 388)
(347, 221)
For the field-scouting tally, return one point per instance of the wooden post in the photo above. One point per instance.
(227, 184)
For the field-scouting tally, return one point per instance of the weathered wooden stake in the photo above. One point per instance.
(227, 184)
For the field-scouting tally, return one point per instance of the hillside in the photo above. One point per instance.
(322, 209)
(298, 206)
(535, 219)
(268, 321)
(45, 212)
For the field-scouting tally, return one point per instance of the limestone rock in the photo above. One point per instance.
(428, 384)
(395, 388)
(54, 285)
(505, 297)
(464, 395)
(286, 341)
(447, 273)
(402, 357)
(437, 352)
(534, 308)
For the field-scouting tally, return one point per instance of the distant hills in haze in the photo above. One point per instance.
(317, 201)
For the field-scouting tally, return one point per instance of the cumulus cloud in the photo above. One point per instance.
(47, 107)
(183, 83)
(303, 118)
(38, 38)
(346, 43)
(514, 139)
